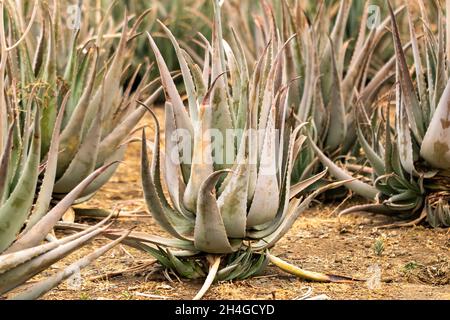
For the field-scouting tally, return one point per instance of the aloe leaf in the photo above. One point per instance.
(83, 163)
(101, 180)
(118, 135)
(48, 74)
(40, 230)
(187, 77)
(338, 126)
(46, 285)
(421, 86)
(71, 134)
(435, 148)
(13, 278)
(155, 240)
(45, 193)
(210, 233)
(221, 119)
(202, 161)
(412, 105)
(156, 176)
(4, 163)
(15, 210)
(376, 162)
(232, 202)
(181, 116)
(358, 187)
(12, 260)
(213, 268)
(151, 196)
(286, 224)
(267, 191)
(404, 139)
(172, 169)
(284, 192)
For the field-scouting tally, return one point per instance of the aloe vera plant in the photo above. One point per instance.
(186, 18)
(411, 169)
(331, 65)
(230, 197)
(30, 152)
(333, 78)
(67, 65)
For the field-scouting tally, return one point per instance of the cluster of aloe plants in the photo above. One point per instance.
(276, 100)
(411, 158)
(227, 164)
(65, 119)
(236, 211)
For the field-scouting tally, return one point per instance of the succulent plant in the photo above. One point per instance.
(333, 78)
(42, 123)
(78, 64)
(411, 159)
(230, 198)
(330, 64)
(186, 18)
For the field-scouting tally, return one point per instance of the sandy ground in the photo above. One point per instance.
(413, 264)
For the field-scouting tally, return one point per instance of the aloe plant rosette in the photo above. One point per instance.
(411, 160)
(26, 214)
(227, 164)
(87, 68)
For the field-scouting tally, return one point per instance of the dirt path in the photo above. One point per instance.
(415, 263)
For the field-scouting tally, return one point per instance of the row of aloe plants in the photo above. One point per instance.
(291, 96)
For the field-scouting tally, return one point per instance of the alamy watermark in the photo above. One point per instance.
(215, 147)
(73, 20)
(374, 17)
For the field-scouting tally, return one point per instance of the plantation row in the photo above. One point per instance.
(268, 106)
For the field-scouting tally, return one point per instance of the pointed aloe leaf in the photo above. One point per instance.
(404, 139)
(48, 75)
(4, 162)
(155, 240)
(265, 202)
(269, 241)
(181, 116)
(151, 196)
(338, 126)
(46, 224)
(45, 193)
(210, 233)
(411, 101)
(421, 86)
(374, 159)
(436, 145)
(291, 155)
(358, 187)
(12, 260)
(220, 115)
(232, 202)
(175, 216)
(46, 285)
(15, 277)
(202, 161)
(84, 162)
(175, 174)
(114, 160)
(113, 140)
(71, 134)
(187, 77)
(16, 209)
